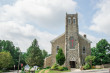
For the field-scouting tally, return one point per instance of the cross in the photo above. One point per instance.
(72, 42)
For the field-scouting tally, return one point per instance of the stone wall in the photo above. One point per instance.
(48, 62)
(106, 65)
(72, 31)
(103, 66)
(59, 41)
(84, 43)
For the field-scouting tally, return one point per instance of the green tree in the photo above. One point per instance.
(101, 51)
(6, 45)
(89, 59)
(6, 60)
(44, 53)
(34, 55)
(60, 57)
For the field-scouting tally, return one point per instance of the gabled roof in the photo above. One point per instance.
(57, 37)
(64, 34)
(85, 38)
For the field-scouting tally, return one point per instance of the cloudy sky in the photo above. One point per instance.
(23, 20)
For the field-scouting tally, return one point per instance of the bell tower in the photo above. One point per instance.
(72, 41)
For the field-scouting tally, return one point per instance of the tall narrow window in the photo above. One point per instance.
(74, 21)
(69, 20)
(57, 49)
(84, 49)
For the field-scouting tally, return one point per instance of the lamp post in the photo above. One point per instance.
(19, 59)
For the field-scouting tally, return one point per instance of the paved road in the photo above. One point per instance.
(90, 71)
(15, 71)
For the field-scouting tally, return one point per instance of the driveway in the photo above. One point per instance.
(89, 71)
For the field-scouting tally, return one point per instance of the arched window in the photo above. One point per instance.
(74, 20)
(84, 50)
(69, 20)
(57, 48)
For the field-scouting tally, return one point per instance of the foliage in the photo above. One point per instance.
(6, 45)
(39, 68)
(34, 55)
(22, 69)
(6, 60)
(54, 67)
(48, 67)
(60, 68)
(65, 68)
(44, 53)
(60, 57)
(101, 51)
(87, 66)
(89, 58)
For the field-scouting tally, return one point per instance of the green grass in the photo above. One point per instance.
(37, 71)
(1, 71)
(43, 71)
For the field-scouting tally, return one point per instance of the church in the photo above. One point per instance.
(75, 46)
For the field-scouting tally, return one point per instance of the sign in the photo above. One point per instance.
(21, 65)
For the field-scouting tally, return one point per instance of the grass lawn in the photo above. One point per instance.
(43, 71)
(37, 71)
(0, 71)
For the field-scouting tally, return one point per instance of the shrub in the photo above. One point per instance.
(65, 68)
(60, 57)
(87, 66)
(48, 67)
(39, 68)
(54, 67)
(60, 68)
(22, 69)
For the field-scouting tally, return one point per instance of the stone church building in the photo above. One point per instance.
(75, 46)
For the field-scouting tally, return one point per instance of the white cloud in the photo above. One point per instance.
(101, 20)
(91, 38)
(18, 21)
(45, 13)
(22, 36)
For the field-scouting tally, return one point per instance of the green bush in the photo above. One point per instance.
(65, 68)
(54, 67)
(39, 68)
(60, 57)
(48, 67)
(60, 68)
(22, 69)
(87, 66)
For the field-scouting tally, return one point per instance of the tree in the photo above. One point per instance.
(34, 55)
(6, 60)
(44, 53)
(89, 59)
(6, 45)
(60, 57)
(101, 51)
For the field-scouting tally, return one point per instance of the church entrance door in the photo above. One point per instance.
(72, 64)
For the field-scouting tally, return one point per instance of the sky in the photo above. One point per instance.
(21, 21)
